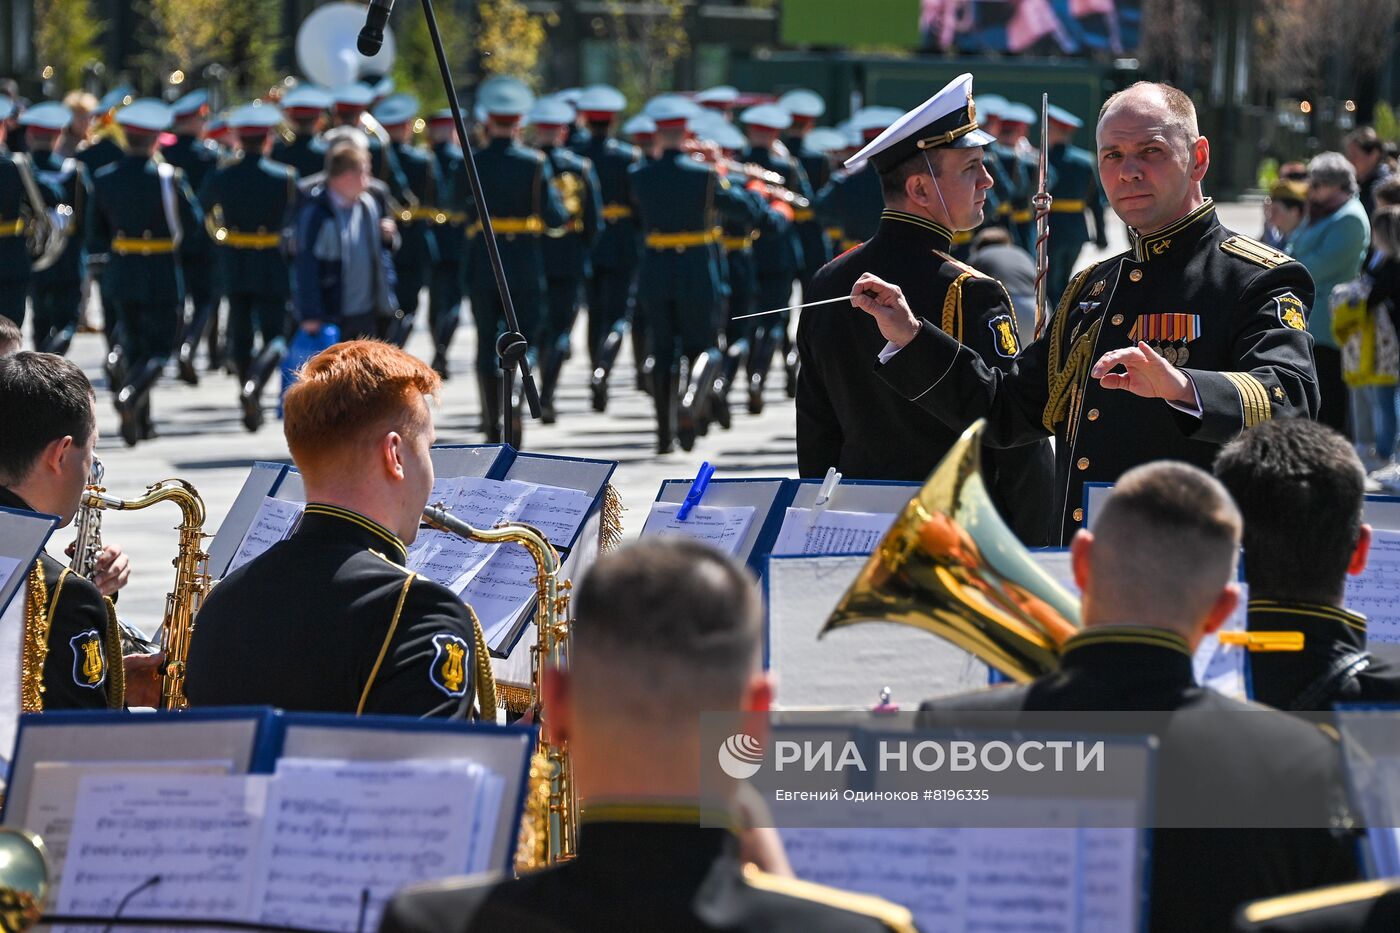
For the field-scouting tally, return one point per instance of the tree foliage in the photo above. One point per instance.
(244, 38)
(415, 64)
(650, 39)
(65, 39)
(510, 40)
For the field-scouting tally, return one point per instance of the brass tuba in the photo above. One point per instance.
(550, 825)
(43, 227)
(191, 576)
(950, 566)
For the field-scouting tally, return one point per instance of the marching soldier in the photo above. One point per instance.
(779, 255)
(805, 107)
(1021, 172)
(1209, 326)
(1075, 189)
(420, 210)
(303, 107)
(677, 200)
(14, 249)
(566, 248)
(248, 203)
(641, 129)
(102, 149)
(57, 292)
(721, 99)
(196, 157)
(105, 146)
(617, 249)
(851, 200)
(141, 211)
(523, 203)
(350, 104)
(929, 164)
(445, 292)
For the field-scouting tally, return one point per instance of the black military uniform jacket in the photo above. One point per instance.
(618, 245)
(423, 180)
(1363, 907)
(848, 419)
(302, 154)
(567, 249)
(255, 198)
(1228, 310)
(1199, 877)
(329, 620)
(83, 641)
(641, 868)
(1333, 667)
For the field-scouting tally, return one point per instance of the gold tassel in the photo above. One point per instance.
(36, 643)
(116, 666)
(611, 533)
(485, 676)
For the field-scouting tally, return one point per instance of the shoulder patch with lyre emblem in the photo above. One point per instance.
(1254, 251)
(449, 668)
(1291, 312)
(89, 664)
(892, 915)
(1004, 335)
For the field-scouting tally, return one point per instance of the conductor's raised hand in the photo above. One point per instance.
(1145, 373)
(885, 303)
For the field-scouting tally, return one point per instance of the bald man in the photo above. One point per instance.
(1166, 351)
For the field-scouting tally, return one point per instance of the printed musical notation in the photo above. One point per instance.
(1044, 880)
(832, 532)
(723, 527)
(1375, 593)
(274, 521)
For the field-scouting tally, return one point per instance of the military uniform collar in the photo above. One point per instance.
(1322, 626)
(11, 500)
(674, 840)
(1129, 652)
(906, 224)
(1176, 238)
(345, 524)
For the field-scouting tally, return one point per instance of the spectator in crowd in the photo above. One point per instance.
(1380, 283)
(1331, 244)
(1284, 209)
(1366, 153)
(343, 270)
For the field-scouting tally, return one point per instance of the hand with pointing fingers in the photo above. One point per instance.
(1146, 373)
(885, 303)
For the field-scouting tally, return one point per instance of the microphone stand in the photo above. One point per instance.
(511, 347)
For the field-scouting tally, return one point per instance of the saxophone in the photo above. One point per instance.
(550, 825)
(88, 525)
(191, 575)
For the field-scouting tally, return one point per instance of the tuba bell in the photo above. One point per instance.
(326, 46)
(44, 227)
(950, 566)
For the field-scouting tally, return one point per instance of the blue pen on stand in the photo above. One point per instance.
(697, 491)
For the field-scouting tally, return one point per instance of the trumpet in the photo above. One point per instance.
(774, 182)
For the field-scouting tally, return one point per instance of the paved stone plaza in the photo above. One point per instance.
(203, 441)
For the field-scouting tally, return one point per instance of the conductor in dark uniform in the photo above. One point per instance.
(57, 292)
(1074, 188)
(1206, 325)
(248, 202)
(515, 181)
(674, 626)
(566, 249)
(418, 220)
(196, 157)
(846, 417)
(134, 202)
(303, 107)
(1225, 768)
(1301, 488)
(342, 626)
(618, 247)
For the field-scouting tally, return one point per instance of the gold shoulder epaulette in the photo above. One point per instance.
(961, 265)
(1254, 251)
(890, 914)
(1319, 899)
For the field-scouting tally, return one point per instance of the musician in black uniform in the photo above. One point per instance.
(1170, 526)
(667, 629)
(1300, 487)
(196, 157)
(1209, 326)
(48, 429)
(341, 625)
(303, 107)
(249, 200)
(846, 417)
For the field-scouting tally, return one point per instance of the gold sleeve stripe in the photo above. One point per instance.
(952, 308)
(892, 915)
(58, 591)
(1290, 904)
(1254, 400)
(384, 648)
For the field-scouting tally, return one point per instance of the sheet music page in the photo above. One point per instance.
(336, 829)
(723, 527)
(1042, 880)
(501, 590)
(198, 833)
(1376, 592)
(556, 511)
(832, 532)
(274, 521)
(485, 503)
(447, 558)
(53, 796)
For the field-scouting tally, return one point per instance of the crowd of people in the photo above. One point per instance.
(1193, 353)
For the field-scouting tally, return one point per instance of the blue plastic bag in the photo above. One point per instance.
(303, 347)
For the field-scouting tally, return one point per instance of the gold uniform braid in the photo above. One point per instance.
(1062, 378)
(116, 670)
(36, 642)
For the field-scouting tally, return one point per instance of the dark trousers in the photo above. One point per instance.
(1335, 411)
(250, 315)
(445, 302)
(561, 308)
(412, 276)
(743, 291)
(490, 320)
(56, 306)
(609, 291)
(678, 329)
